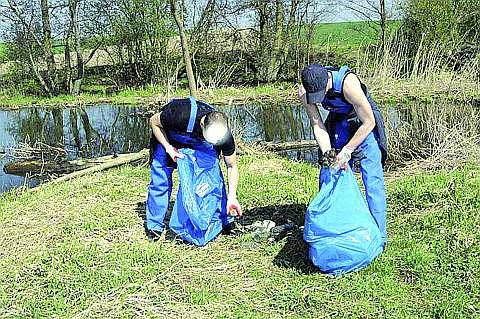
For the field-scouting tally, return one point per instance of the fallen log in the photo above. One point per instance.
(117, 161)
(83, 167)
(286, 146)
(39, 167)
(145, 154)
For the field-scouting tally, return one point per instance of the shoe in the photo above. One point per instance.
(154, 235)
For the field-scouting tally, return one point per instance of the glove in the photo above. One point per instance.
(174, 154)
(233, 207)
(341, 161)
(328, 158)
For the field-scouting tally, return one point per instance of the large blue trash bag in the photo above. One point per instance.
(200, 208)
(339, 228)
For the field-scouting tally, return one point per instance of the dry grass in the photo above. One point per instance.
(434, 135)
(430, 75)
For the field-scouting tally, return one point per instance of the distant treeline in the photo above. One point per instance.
(57, 47)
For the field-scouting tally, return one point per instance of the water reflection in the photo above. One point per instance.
(83, 132)
(270, 122)
(105, 129)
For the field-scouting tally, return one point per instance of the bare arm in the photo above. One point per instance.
(161, 137)
(158, 131)
(354, 94)
(319, 130)
(232, 174)
(233, 206)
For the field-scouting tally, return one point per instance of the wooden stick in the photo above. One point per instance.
(120, 160)
(144, 154)
(285, 146)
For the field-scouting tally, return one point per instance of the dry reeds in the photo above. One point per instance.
(394, 72)
(36, 150)
(438, 126)
(434, 135)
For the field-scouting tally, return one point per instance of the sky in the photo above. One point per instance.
(341, 14)
(337, 13)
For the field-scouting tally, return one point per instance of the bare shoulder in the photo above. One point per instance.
(353, 92)
(352, 83)
(155, 119)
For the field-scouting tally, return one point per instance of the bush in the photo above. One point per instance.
(446, 23)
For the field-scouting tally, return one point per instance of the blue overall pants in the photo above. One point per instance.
(160, 187)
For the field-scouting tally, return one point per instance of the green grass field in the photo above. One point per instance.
(79, 250)
(345, 37)
(338, 35)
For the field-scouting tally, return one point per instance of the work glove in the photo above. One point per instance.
(233, 207)
(341, 161)
(328, 158)
(174, 154)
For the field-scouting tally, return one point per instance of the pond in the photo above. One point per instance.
(104, 129)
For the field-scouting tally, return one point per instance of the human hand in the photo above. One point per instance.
(233, 207)
(173, 153)
(341, 161)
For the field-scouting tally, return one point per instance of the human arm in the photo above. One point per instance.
(354, 94)
(159, 133)
(319, 131)
(232, 177)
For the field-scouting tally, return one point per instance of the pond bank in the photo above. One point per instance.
(79, 249)
(438, 133)
(391, 91)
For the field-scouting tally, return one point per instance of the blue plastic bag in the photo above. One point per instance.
(339, 228)
(200, 208)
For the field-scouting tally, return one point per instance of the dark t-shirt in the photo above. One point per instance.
(176, 115)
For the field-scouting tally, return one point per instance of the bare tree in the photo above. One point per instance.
(374, 12)
(36, 28)
(48, 46)
(275, 24)
(137, 35)
(32, 43)
(73, 9)
(186, 51)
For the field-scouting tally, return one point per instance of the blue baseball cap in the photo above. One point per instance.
(314, 80)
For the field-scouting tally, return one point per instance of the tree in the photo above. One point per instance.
(33, 45)
(136, 34)
(449, 24)
(184, 43)
(274, 25)
(375, 13)
(36, 28)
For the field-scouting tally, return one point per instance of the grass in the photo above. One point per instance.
(79, 250)
(343, 36)
(347, 37)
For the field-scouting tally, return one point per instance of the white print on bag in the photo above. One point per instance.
(202, 189)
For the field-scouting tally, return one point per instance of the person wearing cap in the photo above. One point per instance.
(186, 123)
(354, 126)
